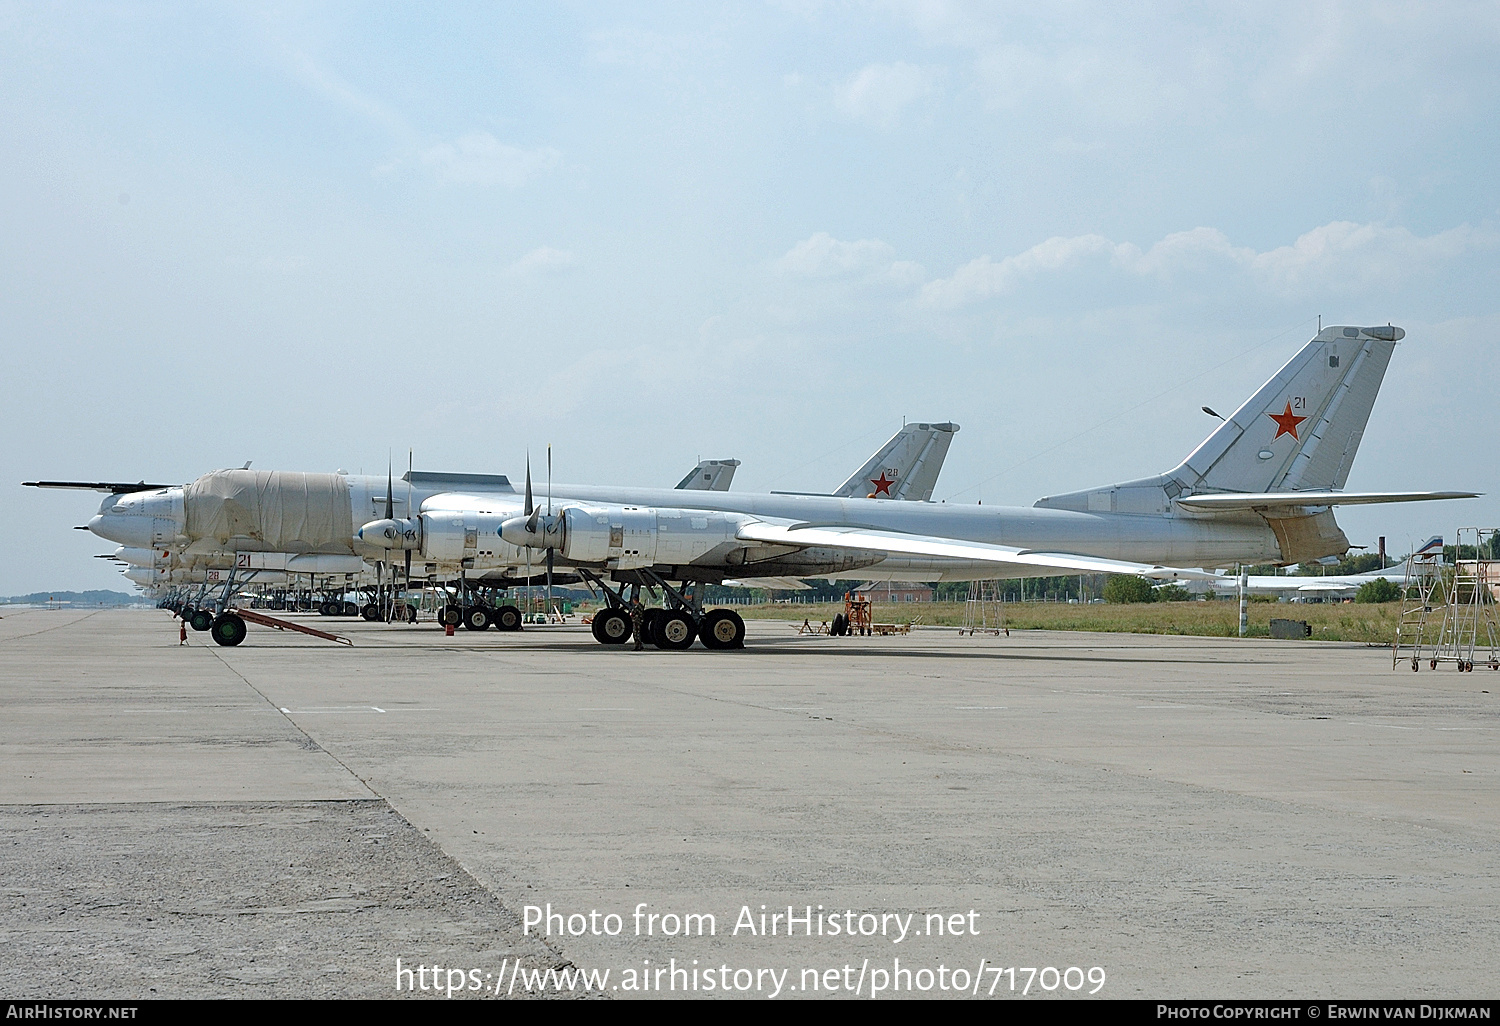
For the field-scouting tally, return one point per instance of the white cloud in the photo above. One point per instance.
(823, 256)
(478, 158)
(1340, 257)
(879, 94)
(544, 260)
(1348, 257)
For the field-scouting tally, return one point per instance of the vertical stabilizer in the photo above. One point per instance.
(1300, 432)
(710, 476)
(906, 467)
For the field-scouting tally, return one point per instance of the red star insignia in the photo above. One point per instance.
(883, 484)
(1286, 422)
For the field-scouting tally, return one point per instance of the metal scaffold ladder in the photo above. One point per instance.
(1469, 618)
(984, 612)
(1422, 597)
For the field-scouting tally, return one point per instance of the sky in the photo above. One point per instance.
(317, 236)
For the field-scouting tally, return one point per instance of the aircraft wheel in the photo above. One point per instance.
(1432, 665)
(1413, 664)
(840, 626)
(721, 629)
(228, 630)
(201, 620)
(452, 616)
(649, 623)
(611, 627)
(508, 618)
(351, 609)
(370, 612)
(675, 631)
(476, 618)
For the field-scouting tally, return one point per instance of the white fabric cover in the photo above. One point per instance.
(285, 511)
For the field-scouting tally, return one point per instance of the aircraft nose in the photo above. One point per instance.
(125, 530)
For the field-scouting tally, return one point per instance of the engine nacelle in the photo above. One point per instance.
(627, 537)
(450, 536)
(392, 534)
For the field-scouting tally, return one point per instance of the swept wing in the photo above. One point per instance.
(898, 543)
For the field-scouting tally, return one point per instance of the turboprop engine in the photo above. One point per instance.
(440, 536)
(392, 534)
(626, 537)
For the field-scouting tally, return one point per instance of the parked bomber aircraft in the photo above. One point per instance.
(1259, 489)
(183, 568)
(1316, 589)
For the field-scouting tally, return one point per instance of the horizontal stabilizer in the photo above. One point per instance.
(1240, 501)
(896, 543)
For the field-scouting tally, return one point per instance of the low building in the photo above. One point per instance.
(895, 591)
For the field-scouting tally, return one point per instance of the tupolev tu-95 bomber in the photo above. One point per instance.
(1259, 489)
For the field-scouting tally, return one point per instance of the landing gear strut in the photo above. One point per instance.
(671, 629)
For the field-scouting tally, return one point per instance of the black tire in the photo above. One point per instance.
(611, 627)
(201, 620)
(721, 629)
(228, 630)
(476, 618)
(840, 626)
(452, 616)
(649, 624)
(351, 609)
(370, 612)
(507, 618)
(675, 631)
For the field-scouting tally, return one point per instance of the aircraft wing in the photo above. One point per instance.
(1320, 584)
(897, 543)
(772, 583)
(1227, 501)
(113, 487)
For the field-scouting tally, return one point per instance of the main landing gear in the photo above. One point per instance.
(674, 628)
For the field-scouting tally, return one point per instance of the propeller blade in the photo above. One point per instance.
(390, 499)
(549, 479)
(528, 508)
(549, 582)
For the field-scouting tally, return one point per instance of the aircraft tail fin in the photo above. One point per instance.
(1301, 430)
(906, 467)
(710, 476)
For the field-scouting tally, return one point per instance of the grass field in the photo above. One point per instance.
(1367, 622)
